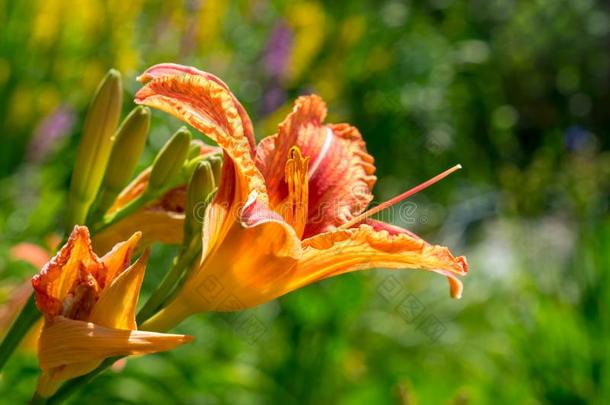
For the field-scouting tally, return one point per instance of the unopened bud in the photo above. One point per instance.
(200, 188)
(94, 147)
(169, 160)
(126, 151)
(216, 163)
(194, 149)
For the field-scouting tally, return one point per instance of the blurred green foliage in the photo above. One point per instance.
(516, 91)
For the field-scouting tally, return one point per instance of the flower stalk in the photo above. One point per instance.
(199, 193)
(26, 319)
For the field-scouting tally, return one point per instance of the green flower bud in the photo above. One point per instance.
(216, 162)
(126, 151)
(169, 161)
(194, 150)
(199, 191)
(94, 147)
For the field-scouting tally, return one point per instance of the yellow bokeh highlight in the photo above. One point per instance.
(308, 22)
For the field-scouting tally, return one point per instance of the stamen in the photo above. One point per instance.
(295, 209)
(399, 198)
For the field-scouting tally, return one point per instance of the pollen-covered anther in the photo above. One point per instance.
(295, 176)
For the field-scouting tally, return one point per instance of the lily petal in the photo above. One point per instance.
(69, 348)
(155, 223)
(341, 172)
(210, 108)
(239, 273)
(173, 69)
(116, 306)
(334, 253)
(199, 100)
(117, 259)
(59, 275)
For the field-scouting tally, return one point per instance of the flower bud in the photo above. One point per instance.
(216, 163)
(169, 160)
(126, 151)
(200, 187)
(194, 149)
(94, 147)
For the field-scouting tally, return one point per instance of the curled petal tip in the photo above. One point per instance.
(144, 78)
(463, 263)
(187, 338)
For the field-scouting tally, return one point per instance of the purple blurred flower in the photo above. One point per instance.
(49, 132)
(278, 49)
(273, 98)
(576, 138)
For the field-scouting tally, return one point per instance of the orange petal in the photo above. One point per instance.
(238, 273)
(341, 172)
(173, 69)
(156, 225)
(210, 108)
(333, 253)
(59, 275)
(119, 258)
(116, 306)
(69, 348)
(205, 103)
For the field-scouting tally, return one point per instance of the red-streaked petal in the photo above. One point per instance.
(173, 69)
(333, 253)
(119, 258)
(116, 306)
(208, 107)
(384, 226)
(341, 172)
(59, 276)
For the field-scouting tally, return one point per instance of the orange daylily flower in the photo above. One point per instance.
(89, 308)
(160, 221)
(290, 211)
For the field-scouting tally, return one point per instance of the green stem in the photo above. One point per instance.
(127, 210)
(27, 317)
(37, 399)
(162, 293)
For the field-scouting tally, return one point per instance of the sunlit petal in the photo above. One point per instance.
(116, 306)
(58, 276)
(337, 252)
(69, 348)
(173, 69)
(210, 108)
(119, 257)
(341, 172)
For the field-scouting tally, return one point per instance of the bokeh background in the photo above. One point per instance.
(515, 91)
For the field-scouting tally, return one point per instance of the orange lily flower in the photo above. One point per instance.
(89, 310)
(160, 221)
(290, 211)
